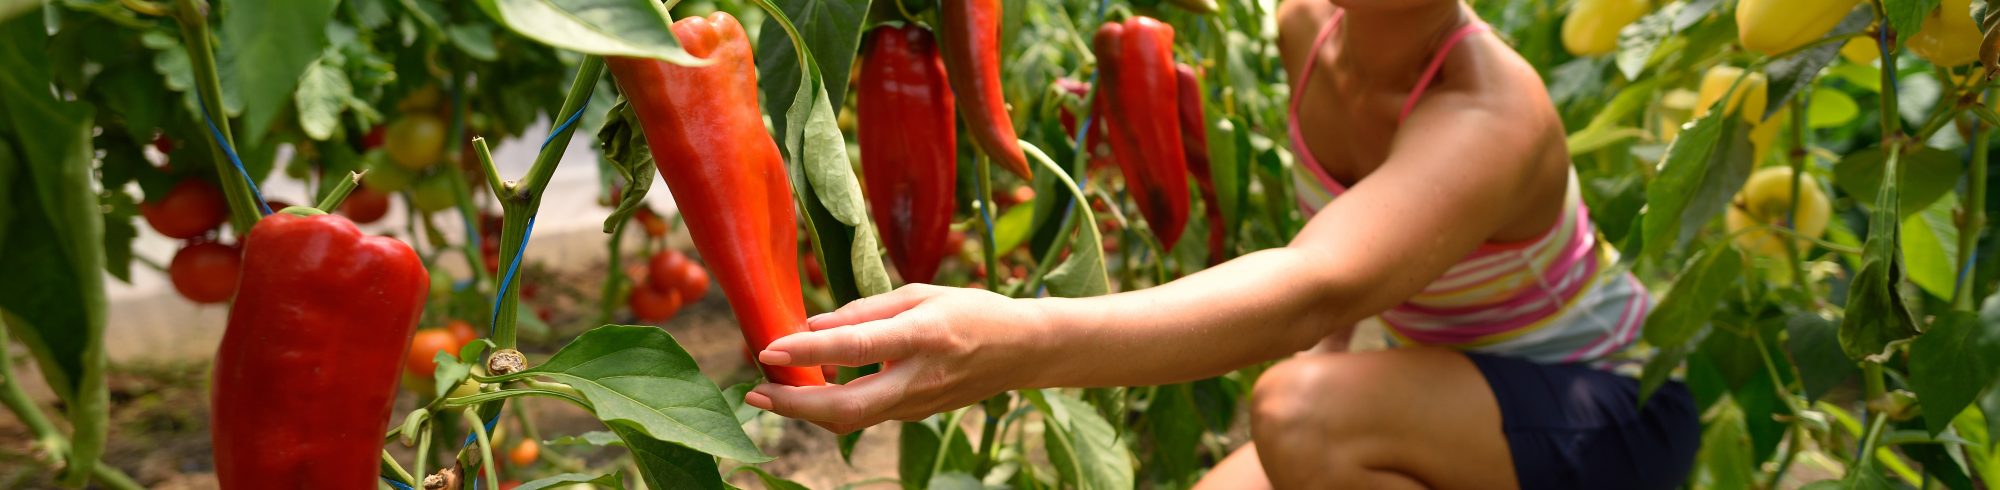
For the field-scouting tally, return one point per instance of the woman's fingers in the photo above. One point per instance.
(859, 345)
(861, 403)
(875, 307)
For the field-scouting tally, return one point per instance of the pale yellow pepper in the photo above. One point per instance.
(1776, 26)
(1591, 29)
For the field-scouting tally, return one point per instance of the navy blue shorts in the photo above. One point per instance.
(1571, 426)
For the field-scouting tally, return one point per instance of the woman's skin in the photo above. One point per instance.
(1481, 159)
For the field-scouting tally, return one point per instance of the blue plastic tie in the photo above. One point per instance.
(397, 483)
(489, 429)
(513, 266)
(231, 153)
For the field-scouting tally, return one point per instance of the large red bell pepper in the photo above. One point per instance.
(308, 367)
(909, 146)
(1194, 140)
(726, 175)
(971, 30)
(1139, 93)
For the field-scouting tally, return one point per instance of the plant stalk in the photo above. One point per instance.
(244, 210)
(1972, 221)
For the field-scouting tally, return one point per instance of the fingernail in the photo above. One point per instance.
(775, 357)
(758, 400)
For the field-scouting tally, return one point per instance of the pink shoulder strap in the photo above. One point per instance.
(1299, 148)
(1437, 62)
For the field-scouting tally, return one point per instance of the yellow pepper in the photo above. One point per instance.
(1950, 37)
(1777, 26)
(1861, 50)
(1591, 29)
(1748, 101)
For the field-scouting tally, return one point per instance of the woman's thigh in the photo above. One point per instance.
(1419, 416)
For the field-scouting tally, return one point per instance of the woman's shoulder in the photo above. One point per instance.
(1299, 23)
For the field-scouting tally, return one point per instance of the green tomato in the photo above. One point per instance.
(440, 284)
(415, 141)
(382, 175)
(432, 193)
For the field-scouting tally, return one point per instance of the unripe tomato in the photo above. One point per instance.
(383, 175)
(432, 194)
(421, 100)
(206, 272)
(191, 208)
(694, 283)
(424, 348)
(462, 331)
(365, 205)
(1591, 29)
(465, 388)
(1950, 37)
(664, 270)
(1776, 26)
(525, 453)
(415, 141)
(653, 306)
(1766, 199)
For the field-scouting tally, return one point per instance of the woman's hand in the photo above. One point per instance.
(940, 348)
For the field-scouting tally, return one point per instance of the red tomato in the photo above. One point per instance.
(655, 227)
(205, 272)
(365, 205)
(461, 331)
(664, 270)
(191, 208)
(524, 454)
(654, 306)
(693, 282)
(813, 273)
(424, 348)
(373, 139)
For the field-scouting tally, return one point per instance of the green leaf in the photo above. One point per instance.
(1637, 40)
(593, 438)
(1930, 248)
(1608, 126)
(1704, 167)
(1907, 16)
(772, 482)
(624, 146)
(322, 96)
(832, 32)
(1083, 447)
(1876, 314)
(1688, 305)
(667, 465)
(612, 481)
(453, 369)
(954, 480)
(267, 46)
(917, 453)
(1814, 344)
(1954, 361)
(818, 145)
(52, 245)
(1083, 273)
(638, 379)
(1176, 425)
(1013, 228)
(476, 40)
(118, 235)
(1792, 74)
(1831, 108)
(734, 395)
(1927, 174)
(1725, 451)
(638, 28)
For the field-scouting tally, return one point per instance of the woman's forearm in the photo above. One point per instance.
(1258, 307)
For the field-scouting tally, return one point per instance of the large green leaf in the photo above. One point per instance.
(917, 453)
(322, 96)
(1954, 361)
(1927, 174)
(1608, 126)
(1704, 167)
(1907, 16)
(1083, 447)
(639, 380)
(637, 28)
(612, 481)
(1930, 248)
(1725, 451)
(267, 46)
(1814, 344)
(667, 465)
(1083, 273)
(52, 245)
(1176, 426)
(832, 31)
(1692, 300)
(1876, 314)
(772, 482)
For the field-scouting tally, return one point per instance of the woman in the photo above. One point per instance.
(1457, 222)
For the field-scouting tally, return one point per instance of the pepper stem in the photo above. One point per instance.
(340, 191)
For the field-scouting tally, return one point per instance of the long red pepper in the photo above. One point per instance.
(1194, 140)
(909, 146)
(726, 175)
(1139, 94)
(308, 367)
(971, 30)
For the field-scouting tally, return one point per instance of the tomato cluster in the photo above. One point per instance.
(670, 280)
(427, 343)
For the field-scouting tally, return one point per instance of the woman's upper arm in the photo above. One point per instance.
(1453, 178)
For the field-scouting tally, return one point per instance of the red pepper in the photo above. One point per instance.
(1139, 94)
(909, 146)
(972, 55)
(1194, 140)
(308, 367)
(725, 173)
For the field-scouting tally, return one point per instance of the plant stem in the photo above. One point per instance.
(1973, 220)
(614, 275)
(1891, 126)
(995, 408)
(423, 450)
(340, 192)
(944, 440)
(523, 198)
(986, 211)
(485, 447)
(1799, 159)
(47, 437)
(391, 468)
(244, 210)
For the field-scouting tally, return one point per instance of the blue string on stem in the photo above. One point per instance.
(234, 160)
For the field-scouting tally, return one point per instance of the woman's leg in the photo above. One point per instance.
(1406, 418)
(1239, 471)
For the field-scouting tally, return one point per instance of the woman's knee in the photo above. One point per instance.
(1313, 393)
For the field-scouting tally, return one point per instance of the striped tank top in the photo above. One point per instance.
(1553, 299)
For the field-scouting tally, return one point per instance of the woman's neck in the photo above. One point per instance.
(1391, 45)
